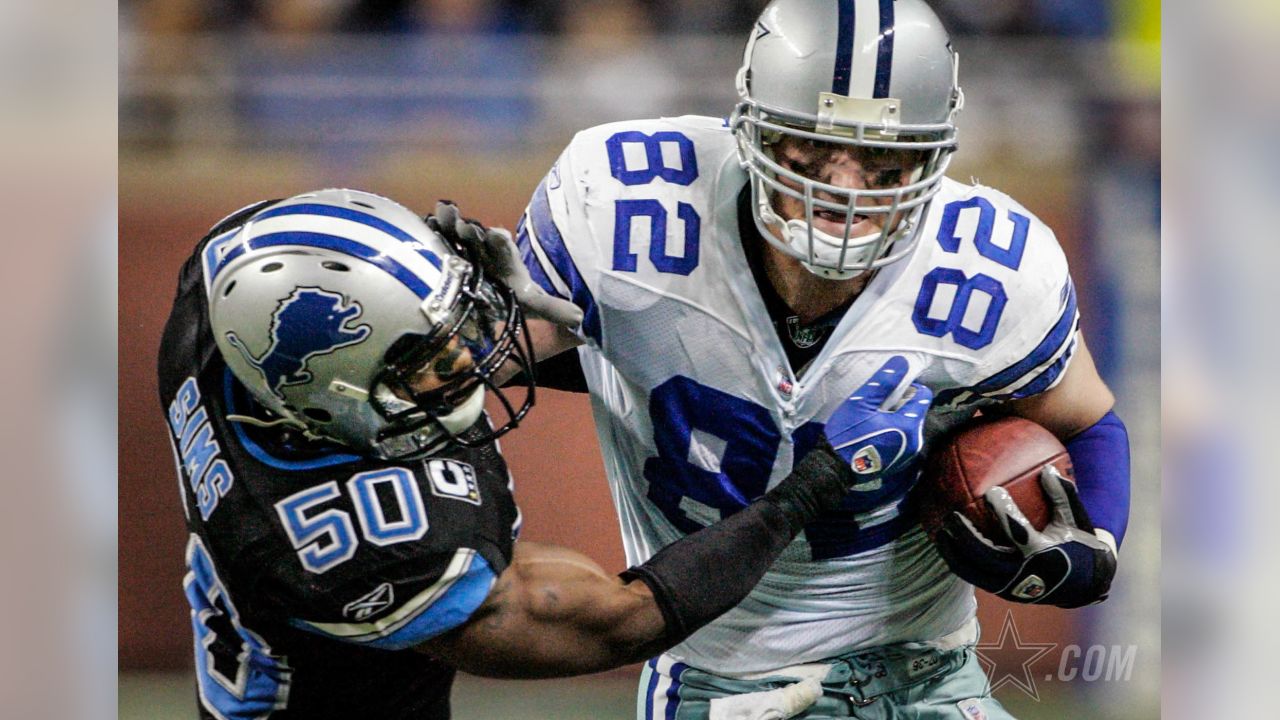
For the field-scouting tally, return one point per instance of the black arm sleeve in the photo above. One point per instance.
(743, 546)
(558, 372)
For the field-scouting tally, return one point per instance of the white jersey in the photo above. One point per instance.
(698, 411)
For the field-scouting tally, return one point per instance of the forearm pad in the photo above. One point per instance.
(741, 548)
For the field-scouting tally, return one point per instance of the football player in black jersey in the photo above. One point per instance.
(351, 522)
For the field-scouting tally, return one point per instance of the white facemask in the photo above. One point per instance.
(863, 249)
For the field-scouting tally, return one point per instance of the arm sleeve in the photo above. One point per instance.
(1100, 456)
(745, 544)
(558, 372)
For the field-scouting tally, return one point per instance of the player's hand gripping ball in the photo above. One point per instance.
(986, 538)
(1008, 452)
(500, 258)
(878, 430)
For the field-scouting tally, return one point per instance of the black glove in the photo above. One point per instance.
(1066, 564)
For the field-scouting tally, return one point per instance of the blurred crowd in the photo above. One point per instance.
(351, 79)
(1077, 18)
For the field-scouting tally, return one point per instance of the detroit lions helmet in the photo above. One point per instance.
(878, 75)
(349, 319)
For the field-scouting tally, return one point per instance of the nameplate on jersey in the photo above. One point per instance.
(453, 480)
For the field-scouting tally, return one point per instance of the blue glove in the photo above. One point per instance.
(875, 440)
(1065, 564)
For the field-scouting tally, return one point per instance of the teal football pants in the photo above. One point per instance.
(913, 681)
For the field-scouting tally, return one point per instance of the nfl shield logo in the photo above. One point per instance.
(1031, 588)
(784, 383)
(866, 460)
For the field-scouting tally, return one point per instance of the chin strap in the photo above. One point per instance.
(287, 422)
(465, 414)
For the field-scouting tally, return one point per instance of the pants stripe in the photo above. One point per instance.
(658, 687)
(652, 668)
(673, 692)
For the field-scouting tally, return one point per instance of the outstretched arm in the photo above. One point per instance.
(553, 612)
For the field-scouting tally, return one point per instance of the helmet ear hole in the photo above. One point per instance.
(319, 415)
(334, 266)
(272, 267)
(230, 286)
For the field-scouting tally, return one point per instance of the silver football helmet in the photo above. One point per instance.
(869, 76)
(349, 319)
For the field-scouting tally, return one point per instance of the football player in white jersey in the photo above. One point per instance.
(729, 282)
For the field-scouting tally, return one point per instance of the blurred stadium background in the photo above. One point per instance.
(225, 102)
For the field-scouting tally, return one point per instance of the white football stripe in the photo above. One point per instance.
(415, 606)
(866, 30)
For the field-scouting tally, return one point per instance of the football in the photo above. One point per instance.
(1007, 451)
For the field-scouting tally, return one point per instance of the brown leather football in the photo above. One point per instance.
(1006, 451)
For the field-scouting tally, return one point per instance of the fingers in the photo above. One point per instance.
(971, 555)
(874, 392)
(1052, 482)
(446, 215)
(499, 251)
(1015, 525)
(553, 309)
(919, 397)
(1067, 508)
(470, 232)
(449, 222)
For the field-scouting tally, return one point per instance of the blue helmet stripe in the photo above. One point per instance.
(355, 216)
(407, 277)
(214, 258)
(844, 48)
(884, 58)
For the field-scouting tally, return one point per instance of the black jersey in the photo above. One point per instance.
(313, 570)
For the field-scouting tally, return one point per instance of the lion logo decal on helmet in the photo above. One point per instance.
(310, 322)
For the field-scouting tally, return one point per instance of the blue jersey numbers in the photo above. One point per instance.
(716, 452)
(637, 158)
(969, 307)
(236, 674)
(388, 505)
